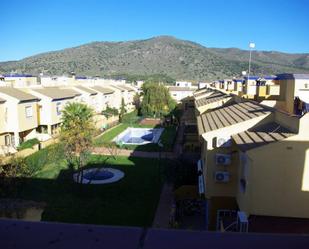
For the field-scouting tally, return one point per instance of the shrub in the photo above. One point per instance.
(28, 144)
(52, 153)
(110, 112)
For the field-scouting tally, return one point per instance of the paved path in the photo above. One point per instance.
(164, 208)
(166, 202)
(122, 152)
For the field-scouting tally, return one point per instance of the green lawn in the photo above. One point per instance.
(167, 138)
(28, 144)
(132, 201)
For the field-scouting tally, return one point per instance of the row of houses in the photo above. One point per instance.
(35, 111)
(254, 161)
(288, 92)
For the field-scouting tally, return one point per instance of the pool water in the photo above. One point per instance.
(139, 136)
(100, 174)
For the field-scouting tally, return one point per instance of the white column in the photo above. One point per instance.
(16, 138)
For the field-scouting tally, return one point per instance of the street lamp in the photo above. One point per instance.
(160, 149)
(251, 46)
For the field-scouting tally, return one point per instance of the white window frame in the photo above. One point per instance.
(58, 108)
(29, 111)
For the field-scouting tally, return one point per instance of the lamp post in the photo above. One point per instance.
(251, 46)
(159, 168)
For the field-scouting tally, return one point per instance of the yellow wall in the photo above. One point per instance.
(287, 89)
(24, 122)
(278, 179)
(2, 118)
(214, 188)
(289, 121)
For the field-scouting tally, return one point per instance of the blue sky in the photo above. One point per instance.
(32, 26)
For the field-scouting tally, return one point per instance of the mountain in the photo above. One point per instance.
(179, 59)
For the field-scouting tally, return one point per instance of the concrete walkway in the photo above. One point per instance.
(164, 208)
(166, 202)
(122, 152)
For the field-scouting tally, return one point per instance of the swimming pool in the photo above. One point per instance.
(139, 136)
(98, 176)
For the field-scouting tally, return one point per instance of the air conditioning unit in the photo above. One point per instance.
(223, 159)
(222, 176)
(223, 141)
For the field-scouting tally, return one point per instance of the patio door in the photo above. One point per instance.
(7, 140)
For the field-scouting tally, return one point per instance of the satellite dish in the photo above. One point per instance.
(243, 73)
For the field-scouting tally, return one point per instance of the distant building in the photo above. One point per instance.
(183, 84)
(20, 80)
(201, 85)
(178, 92)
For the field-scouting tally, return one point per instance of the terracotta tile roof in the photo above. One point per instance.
(128, 88)
(179, 88)
(103, 90)
(86, 89)
(261, 135)
(57, 93)
(202, 91)
(214, 97)
(17, 94)
(230, 115)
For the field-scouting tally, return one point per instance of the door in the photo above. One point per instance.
(7, 141)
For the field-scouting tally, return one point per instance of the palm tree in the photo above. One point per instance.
(77, 132)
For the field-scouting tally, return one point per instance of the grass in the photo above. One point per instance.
(109, 135)
(28, 144)
(132, 120)
(130, 202)
(167, 138)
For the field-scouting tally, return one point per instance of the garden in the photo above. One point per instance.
(132, 201)
(46, 177)
(133, 120)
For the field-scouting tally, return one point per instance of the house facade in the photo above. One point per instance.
(254, 160)
(19, 116)
(52, 101)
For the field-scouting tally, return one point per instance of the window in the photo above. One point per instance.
(29, 111)
(7, 139)
(58, 108)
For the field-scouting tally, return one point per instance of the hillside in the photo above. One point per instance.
(179, 59)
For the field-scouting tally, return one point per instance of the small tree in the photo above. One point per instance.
(109, 111)
(157, 100)
(15, 168)
(122, 110)
(137, 102)
(77, 132)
